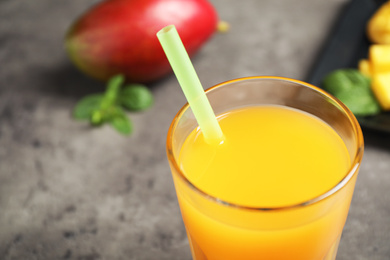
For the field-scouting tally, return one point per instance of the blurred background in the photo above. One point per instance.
(71, 191)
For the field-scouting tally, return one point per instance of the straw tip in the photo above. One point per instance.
(166, 29)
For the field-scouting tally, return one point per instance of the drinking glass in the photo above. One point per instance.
(218, 230)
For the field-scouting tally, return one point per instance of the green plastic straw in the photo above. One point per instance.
(190, 84)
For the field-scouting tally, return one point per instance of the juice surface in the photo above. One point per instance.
(272, 156)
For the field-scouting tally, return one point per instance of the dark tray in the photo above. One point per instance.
(346, 45)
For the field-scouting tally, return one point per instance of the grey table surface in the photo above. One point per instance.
(68, 191)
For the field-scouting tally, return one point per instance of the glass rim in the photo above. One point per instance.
(353, 169)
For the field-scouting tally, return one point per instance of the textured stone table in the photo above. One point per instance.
(71, 192)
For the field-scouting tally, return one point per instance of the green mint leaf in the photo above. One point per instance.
(353, 89)
(360, 102)
(112, 91)
(120, 122)
(97, 118)
(86, 106)
(108, 107)
(135, 97)
(343, 80)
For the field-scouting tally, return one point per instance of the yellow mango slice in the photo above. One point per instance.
(378, 27)
(379, 57)
(364, 67)
(380, 86)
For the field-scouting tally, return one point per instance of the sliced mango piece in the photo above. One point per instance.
(380, 86)
(364, 67)
(378, 27)
(379, 57)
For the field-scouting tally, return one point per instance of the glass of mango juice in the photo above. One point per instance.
(279, 184)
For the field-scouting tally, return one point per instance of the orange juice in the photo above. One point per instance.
(272, 157)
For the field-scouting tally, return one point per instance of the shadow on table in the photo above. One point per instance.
(378, 139)
(66, 81)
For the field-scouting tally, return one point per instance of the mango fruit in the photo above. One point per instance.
(119, 36)
(364, 67)
(380, 86)
(377, 67)
(378, 27)
(379, 58)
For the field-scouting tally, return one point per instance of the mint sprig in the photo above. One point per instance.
(353, 89)
(109, 107)
(135, 97)
(86, 106)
